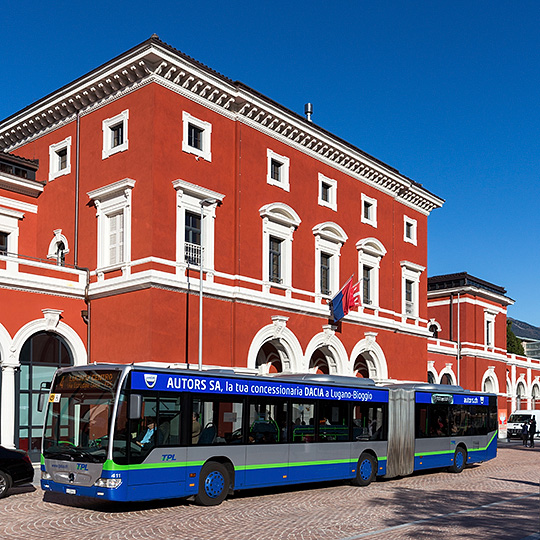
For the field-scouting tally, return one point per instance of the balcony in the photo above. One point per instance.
(192, 254)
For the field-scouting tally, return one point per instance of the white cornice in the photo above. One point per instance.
(153, 61)
(20, 185)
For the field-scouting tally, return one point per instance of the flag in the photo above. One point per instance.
(345, 300)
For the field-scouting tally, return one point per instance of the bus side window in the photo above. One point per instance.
(303, 422)
(333, 422)
(220, 422)
(267, 422)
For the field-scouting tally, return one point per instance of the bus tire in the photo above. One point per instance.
(460, 459)
(213, 484)
(366, 470)
(5, 483)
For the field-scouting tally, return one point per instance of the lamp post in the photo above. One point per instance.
(203, 203)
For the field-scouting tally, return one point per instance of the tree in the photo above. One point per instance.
(513, 344)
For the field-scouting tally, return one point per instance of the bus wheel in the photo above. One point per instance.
(213, 484)
(5, 483)
(366, 470)
(460, 458)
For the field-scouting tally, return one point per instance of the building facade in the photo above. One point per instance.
(154, 166)
(468, 344)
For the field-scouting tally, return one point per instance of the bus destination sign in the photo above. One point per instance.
(455, 399)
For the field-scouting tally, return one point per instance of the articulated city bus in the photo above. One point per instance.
(134, 432)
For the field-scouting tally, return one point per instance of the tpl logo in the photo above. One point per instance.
(168, 457)
(82, 466)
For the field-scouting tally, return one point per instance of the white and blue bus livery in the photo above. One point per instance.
(132, 433)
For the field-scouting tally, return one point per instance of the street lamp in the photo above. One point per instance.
(203, 203)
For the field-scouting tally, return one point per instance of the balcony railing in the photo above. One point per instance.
(192, 254)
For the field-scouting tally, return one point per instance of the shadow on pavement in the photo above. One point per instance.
(503, 516)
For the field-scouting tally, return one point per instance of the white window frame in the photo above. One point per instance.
(110, 201)
(407, 221)
(206, 127)
(284, 161)
(329, 239)
(188, 199)
(58, 238)
(489, 322)
(411, 272)
(372, 218)
(107, 126)
(332, 184)
(370, 253)
(54, 159)
(9, 224)
(279, 221)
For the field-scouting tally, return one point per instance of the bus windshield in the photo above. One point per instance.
(79, 414)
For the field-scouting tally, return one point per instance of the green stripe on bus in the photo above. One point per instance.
(420, 454)
(110, 465)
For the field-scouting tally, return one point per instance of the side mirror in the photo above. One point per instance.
(44, 389)
(42, 399)
(135, 406)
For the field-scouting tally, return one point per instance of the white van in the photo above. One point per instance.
(517, 419)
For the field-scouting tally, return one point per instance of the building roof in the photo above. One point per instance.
(156, 61)
(463, 282)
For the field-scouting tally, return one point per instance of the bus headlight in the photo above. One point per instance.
(45, 475)
(111, 483)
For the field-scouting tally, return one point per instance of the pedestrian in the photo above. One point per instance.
(525, 432)
(532, 432)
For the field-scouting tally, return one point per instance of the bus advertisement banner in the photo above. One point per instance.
(451, 399)
(164, 382)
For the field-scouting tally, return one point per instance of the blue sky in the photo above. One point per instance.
(446, 92)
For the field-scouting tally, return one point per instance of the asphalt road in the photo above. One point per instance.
(497, 500)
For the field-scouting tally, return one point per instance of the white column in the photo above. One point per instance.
(7, 405)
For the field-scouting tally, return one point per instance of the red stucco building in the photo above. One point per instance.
(114, 187)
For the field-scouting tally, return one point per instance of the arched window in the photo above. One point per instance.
(431, 378)
(446, 379)
(41, 356)
(520, 394)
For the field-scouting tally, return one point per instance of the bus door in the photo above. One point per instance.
(267, 451)
(434, 437)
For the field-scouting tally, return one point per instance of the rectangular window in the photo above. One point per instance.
(62, 159)
(3, 243)
(325, 273)
(59, 161)
(275, 260)
(275, 170)
(195, 137)
(267, 422)
(409, 297)
(333, 422)
(432, 421)
(325, 192)
(369, 210)
(116, 238)
(409, 230)
(218, 422)
(117, 135)
(192, 244)
(368, 423)
(303, 422)
(489, 333)
(366, 285)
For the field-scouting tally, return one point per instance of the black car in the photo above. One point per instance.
(15, 469)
